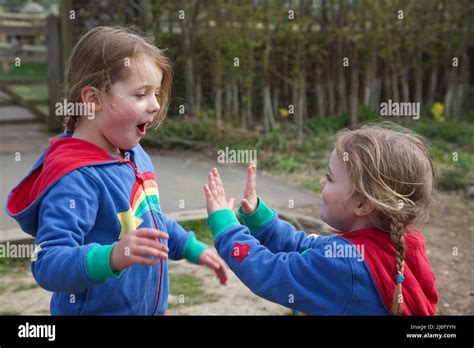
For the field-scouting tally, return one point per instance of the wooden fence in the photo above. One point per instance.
(32, 38)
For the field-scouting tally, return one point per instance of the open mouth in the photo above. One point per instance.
(142, 128)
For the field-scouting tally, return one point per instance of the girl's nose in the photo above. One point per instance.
(154, 106)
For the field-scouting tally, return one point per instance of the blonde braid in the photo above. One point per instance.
(397, 234)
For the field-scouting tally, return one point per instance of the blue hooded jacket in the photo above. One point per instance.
(78, 201)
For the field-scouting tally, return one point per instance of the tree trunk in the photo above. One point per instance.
(248, 105)
(354, 88)
(300, 111)
(198, 94)
(371, 68)
(228, 101)
(218, 107)
(268, 118)
(235, 102)
(387, 84)
(418, 85)
(418, 97)
(332, 98)
(432, 86)
(320, 97)
(405, 87)
(375, 94)
(450, 91)
(394, 87)
(341, 81)
(188, 71)
(462, 86)
(275, 102)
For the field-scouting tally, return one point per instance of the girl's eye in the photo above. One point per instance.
(328, 178)
(140, 95)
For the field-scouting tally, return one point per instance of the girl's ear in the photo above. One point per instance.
(363, 207)
(92, 95)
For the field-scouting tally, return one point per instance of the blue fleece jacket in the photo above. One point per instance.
(305, 273)
(78, 202)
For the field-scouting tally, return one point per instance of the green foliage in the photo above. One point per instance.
(25, 71)
(191, 288)
(452, 131)
(8, 264)
(318, 125)
(455, 178)
(283, 163)
(200, 229)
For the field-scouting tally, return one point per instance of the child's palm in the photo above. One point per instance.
(215, 194)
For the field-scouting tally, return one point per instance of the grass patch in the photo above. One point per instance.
(200, 228)
(9, 313)
(23, 287)
(189, 290)
(25, 71)
(31, 92)
(8, 265)
(312, 184)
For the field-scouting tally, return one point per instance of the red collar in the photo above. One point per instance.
(419, 289)
(62, 156)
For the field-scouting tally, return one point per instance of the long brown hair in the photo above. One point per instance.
(100, 59)
(390, 166)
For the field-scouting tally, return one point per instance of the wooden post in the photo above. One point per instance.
(65, 8)
(55, 70)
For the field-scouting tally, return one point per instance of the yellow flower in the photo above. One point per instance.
(437, 110)
(283, 112)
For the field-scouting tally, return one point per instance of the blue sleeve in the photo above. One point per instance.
(66, 214)
(277, 235)
(183, 244)
(309, 282)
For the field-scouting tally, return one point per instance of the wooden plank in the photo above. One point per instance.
(34, 101)
(37, 58)
(23, 47)
(22, 16)
(33, 30)
(21, 102)
(55, 69)
(24, 82)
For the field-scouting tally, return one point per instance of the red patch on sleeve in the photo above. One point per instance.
(240, 251)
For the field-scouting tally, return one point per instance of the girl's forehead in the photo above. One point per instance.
(336, 163)
(144, 71)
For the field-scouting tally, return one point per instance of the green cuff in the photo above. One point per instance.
(220, 220)
(193, 249)
(98, 263)
(260, 217)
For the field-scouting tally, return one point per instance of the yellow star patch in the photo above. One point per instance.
(128, 221)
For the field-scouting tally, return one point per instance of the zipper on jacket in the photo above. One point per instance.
(140, 179)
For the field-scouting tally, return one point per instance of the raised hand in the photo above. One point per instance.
(250, 200)
(215, 194)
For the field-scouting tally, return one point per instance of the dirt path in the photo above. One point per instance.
(449, 242)
(232, 299)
